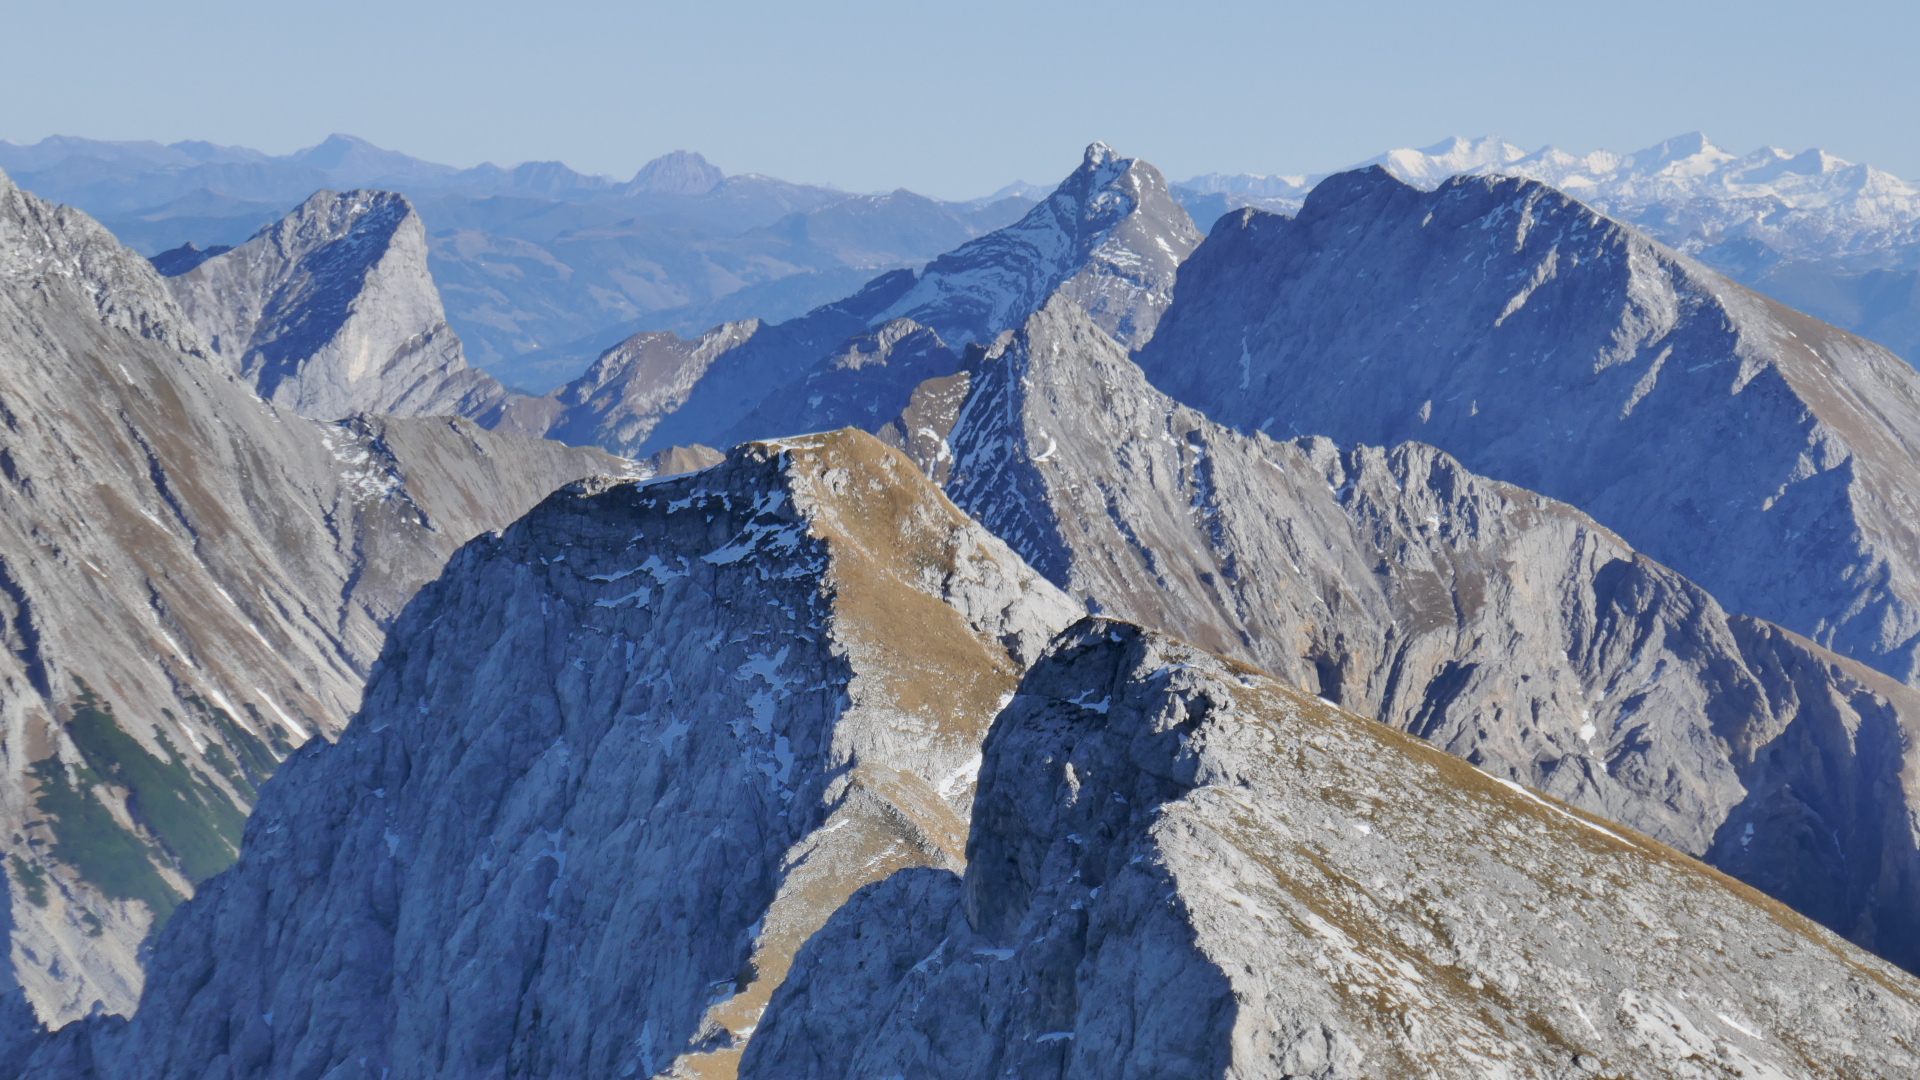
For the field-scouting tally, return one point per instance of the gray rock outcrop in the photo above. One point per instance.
(192, 582)
(1504, 627)
(331, 312)
(615, 767)
(1768, 456)
(1179, 866)
(656, 390)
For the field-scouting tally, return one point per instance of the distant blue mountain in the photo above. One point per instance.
(541, 267)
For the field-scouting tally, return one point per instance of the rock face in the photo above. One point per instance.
(331, 312)
(1110, 237)
(656, 390)
(192, 582)
(1181, 867)
(620, 399)
(1766, 455)
(1506, 628)
(176, 261)
(866, 383)
(617, 764)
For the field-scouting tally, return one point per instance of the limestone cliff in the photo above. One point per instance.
(1770, 457)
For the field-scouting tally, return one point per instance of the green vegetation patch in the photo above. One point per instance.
(32, 881)
(191, 824)
(87, 838)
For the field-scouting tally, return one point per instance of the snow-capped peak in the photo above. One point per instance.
(1685, 190)
(1443, 159)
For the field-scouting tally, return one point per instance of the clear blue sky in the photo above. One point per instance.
(954, 99)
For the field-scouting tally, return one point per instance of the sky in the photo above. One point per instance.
(956, 99)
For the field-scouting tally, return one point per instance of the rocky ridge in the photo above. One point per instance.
(865, 383)
(1509, 629)
(1110, 237)
(332, 311)
(632, 385)
(192, 582)
(1685, 191)
(1763, 454)
(1179, 866)
(540, 267)
(1836, 239)
(617, 764)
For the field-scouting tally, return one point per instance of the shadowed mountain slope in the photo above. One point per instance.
(1110, 236)
(616, 765)
(1502, 626)
(331, 312)
(1770, 457)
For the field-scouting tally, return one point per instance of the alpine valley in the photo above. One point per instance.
(1457, 617)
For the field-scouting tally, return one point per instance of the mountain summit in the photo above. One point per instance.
(682, 172)
(1110, 237)
(1762, 453)
(331, 311)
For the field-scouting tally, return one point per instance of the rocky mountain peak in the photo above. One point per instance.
(1691, 152)
(176, 261)
(41, 241)
(334, 150)
(349, 161)
(681, 172)
(1110, 235)
(331, 311)
(1099, 155)
(1367, 574)
(192, 582)
(618, 401)
(1501, 317)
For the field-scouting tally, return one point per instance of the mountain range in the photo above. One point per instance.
(541, 267)
(1441, 630)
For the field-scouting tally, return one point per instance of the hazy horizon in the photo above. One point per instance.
(955, 101)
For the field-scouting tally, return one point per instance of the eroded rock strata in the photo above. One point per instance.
(1768, 456)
